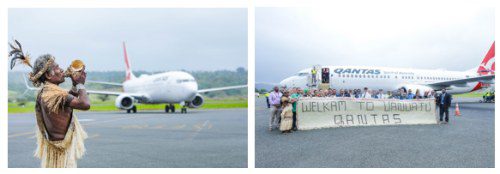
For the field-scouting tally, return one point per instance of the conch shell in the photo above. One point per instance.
(75, 68)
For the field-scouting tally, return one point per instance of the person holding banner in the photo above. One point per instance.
(274, 100)
(357, 93)
(390, 95)
(402, 94)
(350, 93)
(293, 99)
(380, 94)
(417, 95)
(286, 123)
(432, 95)
(410, 95)
(444, 102)
(366, 93)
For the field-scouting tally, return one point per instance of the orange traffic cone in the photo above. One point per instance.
(457, 110)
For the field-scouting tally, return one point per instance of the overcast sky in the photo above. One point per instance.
(291, 39)
(156, 39)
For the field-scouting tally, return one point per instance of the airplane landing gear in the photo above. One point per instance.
(134, 109)
(184, 110)
(169, 107)
(172, 108)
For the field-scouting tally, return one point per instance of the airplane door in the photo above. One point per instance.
(325, 75)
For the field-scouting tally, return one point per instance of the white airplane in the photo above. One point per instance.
(390, 79)
(169, 87)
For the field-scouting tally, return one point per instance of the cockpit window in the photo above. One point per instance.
(185, 80)
(164, 78)
(302, 74)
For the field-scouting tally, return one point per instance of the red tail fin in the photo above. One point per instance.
(128, 71)
(487, 66)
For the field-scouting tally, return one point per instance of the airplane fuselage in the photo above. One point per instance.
(388, 79)
(167, 87)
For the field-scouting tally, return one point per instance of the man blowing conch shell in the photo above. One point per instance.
(60, 137)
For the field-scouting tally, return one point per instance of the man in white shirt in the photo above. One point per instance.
(275, 101)
(366, 93)
(380, 94)
(432, 94)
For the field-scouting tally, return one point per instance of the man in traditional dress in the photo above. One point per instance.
(60, 137)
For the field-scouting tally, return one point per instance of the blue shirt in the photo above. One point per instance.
(442, 98)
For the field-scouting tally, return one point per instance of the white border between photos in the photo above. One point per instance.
(5, 4)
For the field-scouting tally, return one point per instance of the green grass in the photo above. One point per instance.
(98, 105)
(470, 95)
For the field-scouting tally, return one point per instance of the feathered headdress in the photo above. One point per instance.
(18, 55)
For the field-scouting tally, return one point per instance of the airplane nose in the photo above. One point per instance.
(192, 90)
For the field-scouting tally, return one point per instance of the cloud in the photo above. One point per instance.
(157, 39)
(427, 37)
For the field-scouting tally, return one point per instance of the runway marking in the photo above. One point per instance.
(93, 123)
(179, 126)
(160, 126)
(112, 120)
(135, 126)
(198, 129)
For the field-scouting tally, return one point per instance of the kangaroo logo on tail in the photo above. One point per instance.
(487, 66)
(128, 72)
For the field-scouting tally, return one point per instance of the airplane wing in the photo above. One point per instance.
(489, 79)
(221, 88)
(28, 86)
(138, 96)
(135, 95)
(105, 83)
(104, 92)
(267, 83)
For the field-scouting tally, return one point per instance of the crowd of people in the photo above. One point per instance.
(282, 101)
(402, 93)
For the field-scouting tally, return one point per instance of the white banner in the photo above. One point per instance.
(316, 113)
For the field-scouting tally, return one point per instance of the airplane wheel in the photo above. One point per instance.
(184, 110)
(128, 110)
(167, 108)
(134, 109)
(172, 108)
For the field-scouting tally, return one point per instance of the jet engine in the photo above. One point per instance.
(124, 101)
(197, 102)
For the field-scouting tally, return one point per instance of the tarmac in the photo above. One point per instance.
(466, 142)
(152, 139)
